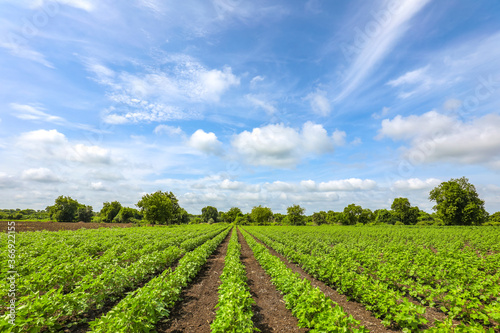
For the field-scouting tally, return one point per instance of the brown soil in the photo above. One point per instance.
(196, 311)
(270, 313)
(22, 226)
(355, 309)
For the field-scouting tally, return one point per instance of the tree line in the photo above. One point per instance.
(456, 203)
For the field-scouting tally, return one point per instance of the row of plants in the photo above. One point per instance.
(140, 310)
(311, 307)
(51, 308)
(234, 309)
(382, 273)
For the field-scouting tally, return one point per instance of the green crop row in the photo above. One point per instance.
(311, 307)
(143, 308)
(234, 313)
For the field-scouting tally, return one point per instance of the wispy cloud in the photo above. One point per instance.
(392, 21)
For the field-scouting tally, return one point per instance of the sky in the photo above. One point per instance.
(244, 103)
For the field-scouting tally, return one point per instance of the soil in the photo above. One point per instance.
(196, 311)
(270, 313)
(22, 226)
(355, 309)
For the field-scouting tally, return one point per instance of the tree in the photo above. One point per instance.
(127, 215)
(64, 209)
(351, 214)
(109, 211)
(457, 203)
(84, 213)
(319, 218)
(384, 216)
(366, 216)
(208, 213)
(333, 217)
(261, 215)
(425, 218)
(243, 220)
(160, 208)
(404, 212)
(296, 215)
(232, 214)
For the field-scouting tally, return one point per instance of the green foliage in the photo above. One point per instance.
(232, 214)
(261, 215)
(160, 208)
(109, 211)
(127, 215)
(243, 220)
(457, 203)
(333, 217)
(384, 216)
(295, 215)
(208, 213)
(84, 213)
(64, 210)
(366, 216)
(319, 218)
(351, 214)
(404, 212)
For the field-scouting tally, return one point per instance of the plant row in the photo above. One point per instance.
(234, 309)
(143, 308)
(311, 307)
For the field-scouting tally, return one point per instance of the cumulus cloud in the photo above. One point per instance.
(319, 102)
(436, 137)
(42, 175)
(416, 184)
(351, 184)
(51, 144)
(205, 142)
(280, 146)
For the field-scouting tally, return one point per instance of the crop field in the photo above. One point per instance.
(221, 278)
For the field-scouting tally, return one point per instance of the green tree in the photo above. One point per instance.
(109, 211)
(319, 218)
(243, 220)
(404, 212)
(333, 217)
(457, 203)
(127, 215)
(261, 215)
(351, 214)
(384, 216)
(494, 218)
(209, 212)
(160, 208)
(295, 215)
(84, 213)
(232, 214)
(64, 210)
(366, 216)
(425, 218)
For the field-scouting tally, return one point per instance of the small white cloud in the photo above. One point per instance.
(90, 154)
(383, 113)
(168, 130)
(29, 112)
(413, 77)
(205, 142)
(416, 184)
(255, 80)
(279, 186)
(23, 51)
(214, 83)
(351, 184)
(339, 138)
(42, 175)
(97, 186)
(258, 102)
(319, 103)
(357, 141)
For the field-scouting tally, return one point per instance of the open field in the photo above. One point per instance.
(21, 226)
(218, 278)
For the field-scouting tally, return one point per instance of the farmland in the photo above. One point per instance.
(220, 278)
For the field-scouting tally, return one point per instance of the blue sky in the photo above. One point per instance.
(241, 103)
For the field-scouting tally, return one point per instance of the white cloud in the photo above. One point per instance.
(42, 175)
(255, 80)
(51, 144)
(436, 137)
(383, 113)
(279, 186)
(7, 181)
(452, 104)
(413, 77)
(23, 51)
(379, 44)
(205, 142)
(281, 146)
(339, 138)
(29, 112)
(427, 124)
(319, 102)
(168, 130)
(351, 184)
(259, 102)
(416, 184)
(98, 186)
(87, 5)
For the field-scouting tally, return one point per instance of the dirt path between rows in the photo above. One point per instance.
(355, 309)
(270, 312)
(196, 311)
